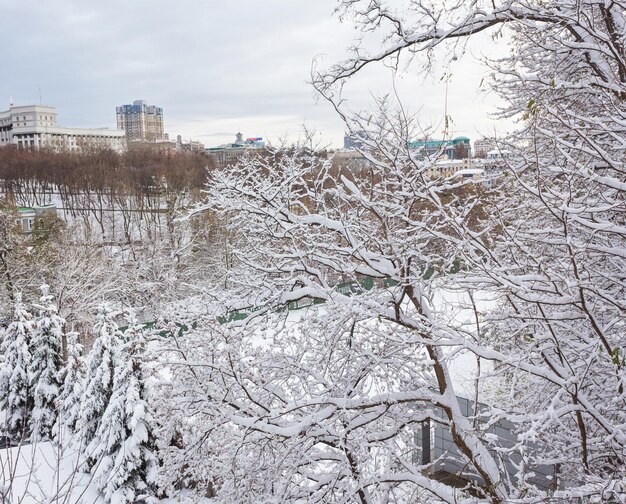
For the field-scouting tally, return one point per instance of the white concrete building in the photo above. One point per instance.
(483, 145)
(35, 127)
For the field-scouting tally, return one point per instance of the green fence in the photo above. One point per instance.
(346, 288)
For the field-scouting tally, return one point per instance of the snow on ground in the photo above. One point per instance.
(42, 473)
(45, 473)
(450, 305)
(455, 307)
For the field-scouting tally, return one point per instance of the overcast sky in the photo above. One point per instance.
(214, 66)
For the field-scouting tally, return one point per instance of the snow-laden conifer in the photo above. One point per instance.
(124, 443)
(73, 375)
(98, 378)
(16, 399)
(45, 366)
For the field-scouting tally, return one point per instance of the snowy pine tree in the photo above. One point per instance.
(124, 443)
(99, 378)
(45, 366)
(73, 375)
(16, 398)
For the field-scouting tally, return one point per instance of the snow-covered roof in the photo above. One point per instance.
(498, 152)
(470, 171)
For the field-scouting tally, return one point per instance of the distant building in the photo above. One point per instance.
(36, 219)
(35, 127)
(169, 147)
(497, 161)
(457, 148)
(354, 140)
(483, 145)
(351, 159)
(231, 153)
(435, 449)
(471, 174)
(483, 170)
(477, 171)
(448, 167)
(190, 145)
(497, 155)
(140, 121)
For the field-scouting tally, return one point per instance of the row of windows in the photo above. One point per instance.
(21, 118)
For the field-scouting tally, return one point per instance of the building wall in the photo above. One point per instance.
(25, 119)
(35, 127)
(447, 168)
(483, 145)
(435, 446)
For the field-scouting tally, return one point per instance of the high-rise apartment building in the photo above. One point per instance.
(140, 121)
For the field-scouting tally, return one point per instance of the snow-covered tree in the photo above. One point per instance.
(329, 404)
(556, 252)
(98, 384)
(46, 365)
(124, 443)
(73, 374)
(16, 394)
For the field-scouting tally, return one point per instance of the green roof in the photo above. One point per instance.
(433, 144)
(437, 144)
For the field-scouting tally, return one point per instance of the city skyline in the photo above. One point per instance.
(212, 80)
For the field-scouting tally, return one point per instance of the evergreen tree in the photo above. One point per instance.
(99, 378)
(73, 376)
(16, 398)
(124, 442)
(45, 366)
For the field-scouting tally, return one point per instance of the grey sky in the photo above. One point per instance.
(214, 66)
